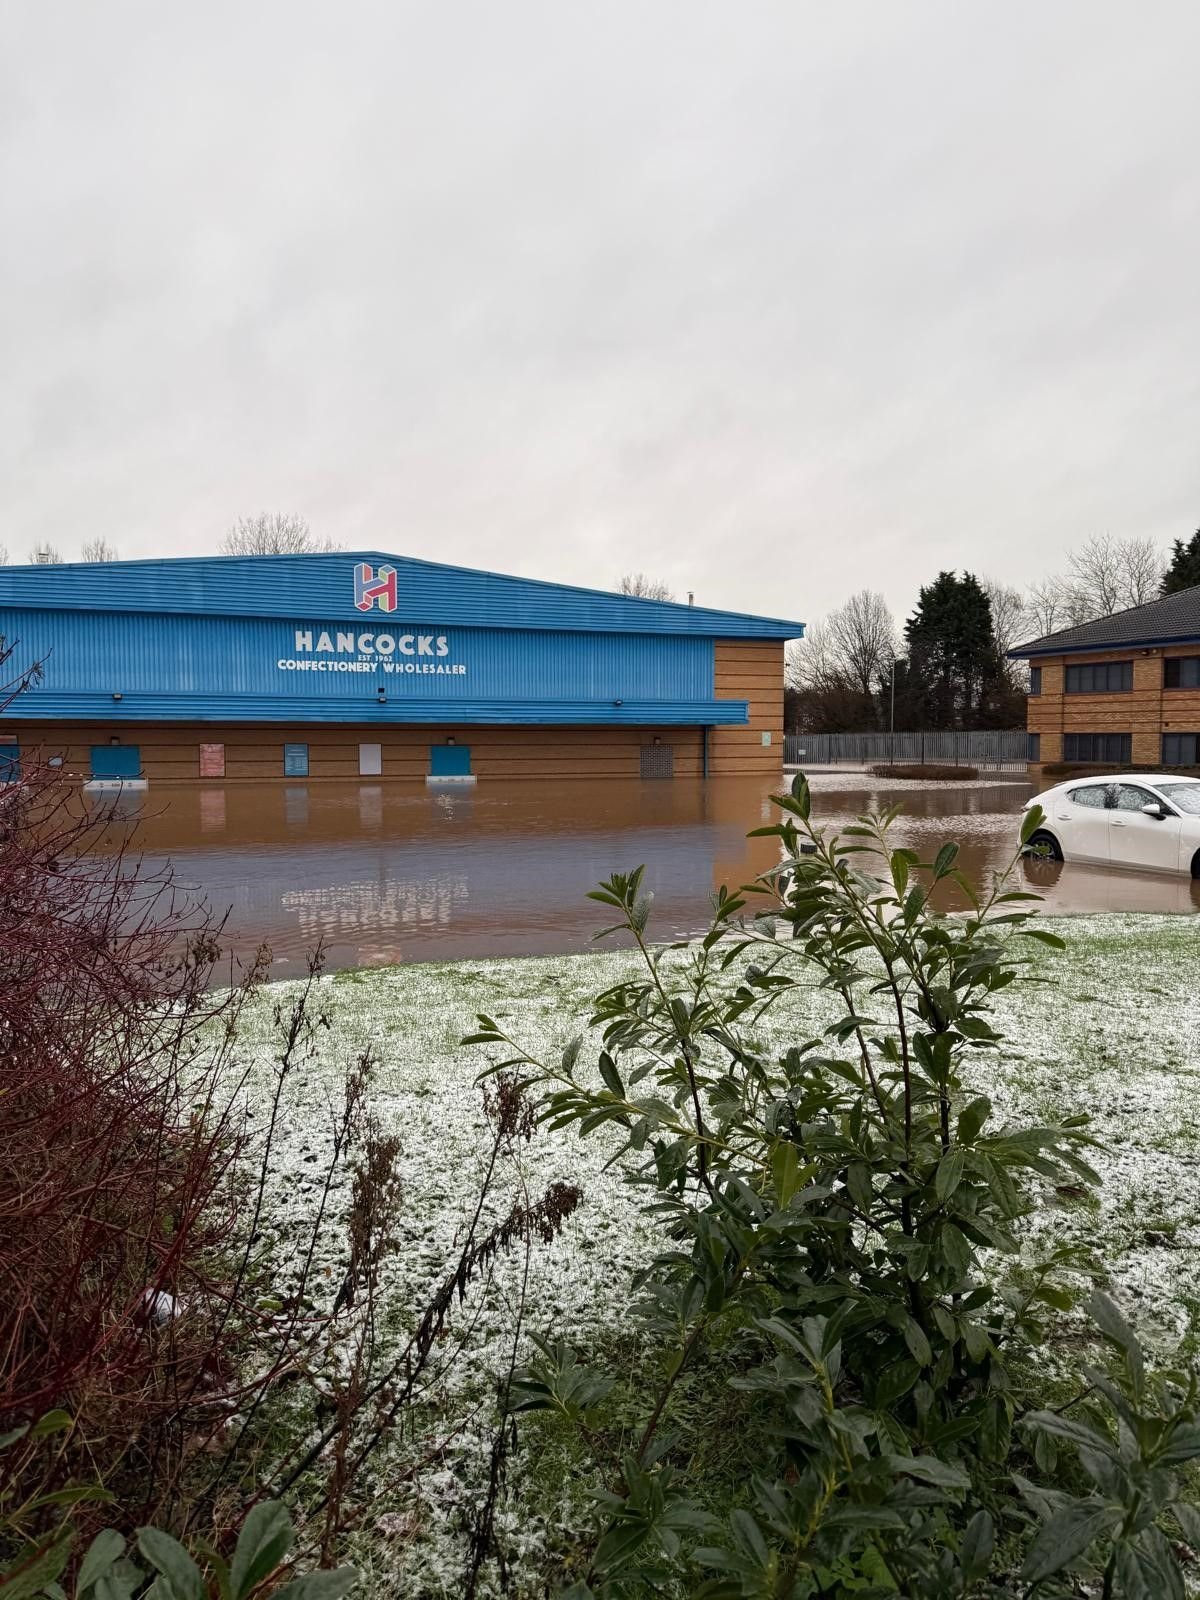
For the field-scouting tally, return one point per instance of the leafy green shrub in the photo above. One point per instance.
(1130, 1433)
(828, 1218)
(167, 1571)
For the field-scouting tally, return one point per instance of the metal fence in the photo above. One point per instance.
(993, 749)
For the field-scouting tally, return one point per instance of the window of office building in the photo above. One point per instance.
(1113, 749)
(1100, 677)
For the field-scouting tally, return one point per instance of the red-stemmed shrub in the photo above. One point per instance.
(117, 1138)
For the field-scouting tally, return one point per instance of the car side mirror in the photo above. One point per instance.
(1155, 809)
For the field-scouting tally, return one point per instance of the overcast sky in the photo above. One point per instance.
(770, 300)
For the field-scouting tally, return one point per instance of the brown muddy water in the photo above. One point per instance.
(384, 873)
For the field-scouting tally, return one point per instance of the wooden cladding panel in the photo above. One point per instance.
(255, 753)
(750, 671)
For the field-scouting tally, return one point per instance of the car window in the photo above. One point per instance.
(1184, 797)
(1130, 798)
(1093, 796)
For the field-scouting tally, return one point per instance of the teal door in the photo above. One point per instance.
(116, 761)
(449, 760)
(10, 762)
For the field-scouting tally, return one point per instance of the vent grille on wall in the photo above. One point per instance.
(658, 761)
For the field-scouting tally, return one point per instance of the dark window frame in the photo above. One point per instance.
(1035, 680)
(1184, 669)
(1033, 747)
(1104, 749)
(1095, 677)
(1179, 757)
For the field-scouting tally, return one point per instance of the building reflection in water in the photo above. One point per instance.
(389, 872)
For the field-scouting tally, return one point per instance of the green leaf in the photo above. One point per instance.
(108, 1546)
(319, 1585)
(612, 1078)
(894, 1382)
(1068, 1534)
(264, 1541)
(918, 1344)
(167, 1555)
(74, 1496)
(13, 1435)
(52, 1422)
(1031, 822)
(975, 1551)
(928, 1469)
(972, 1118)
(748, 1536)
(944, 859)
(120, 1582)
(785, 1169)
(1182, 1445)
(31, 1579)
(1076, 1433)
(1042, 937)
(949, 1174)
(1188, 1519)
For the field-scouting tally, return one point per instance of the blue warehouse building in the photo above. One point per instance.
(367, 664)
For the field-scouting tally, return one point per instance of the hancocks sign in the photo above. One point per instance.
(348, 650)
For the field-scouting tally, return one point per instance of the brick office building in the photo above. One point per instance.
(1121, 691)
(367, 664)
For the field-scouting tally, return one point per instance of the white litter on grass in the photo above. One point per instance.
(1116, 1036)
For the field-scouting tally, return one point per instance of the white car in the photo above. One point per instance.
(1131, 819)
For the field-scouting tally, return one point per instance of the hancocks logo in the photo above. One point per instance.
(373, 588)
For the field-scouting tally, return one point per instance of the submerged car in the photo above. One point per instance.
(1129, 819)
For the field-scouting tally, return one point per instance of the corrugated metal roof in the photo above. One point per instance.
(1174, 619)
(140, 707)
(321, 587)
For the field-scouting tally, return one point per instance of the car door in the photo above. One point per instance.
(1081, 822)
(1137, 840)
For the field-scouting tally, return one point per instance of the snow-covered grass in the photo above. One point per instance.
(1114, 1033)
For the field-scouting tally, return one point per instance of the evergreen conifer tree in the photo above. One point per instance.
(1184, 570)
(955, 677)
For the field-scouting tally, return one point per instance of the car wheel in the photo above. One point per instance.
(1196, 865)
(1044, 844)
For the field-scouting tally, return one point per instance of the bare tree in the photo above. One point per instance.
(1010, 614)
(273, 533)
(98, 550)
(1011, 625)
(637, 583)
(1046, 607)
(862, 636)
(3, 555)
(45, 555)
(835, 674)
(1108, 575)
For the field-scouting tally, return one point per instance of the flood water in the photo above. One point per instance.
(384, 873)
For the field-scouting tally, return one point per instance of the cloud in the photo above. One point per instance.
(769, 302)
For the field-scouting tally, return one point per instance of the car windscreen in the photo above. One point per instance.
(1184, 797)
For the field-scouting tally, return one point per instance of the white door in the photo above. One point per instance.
(1080, 820)
(370, 760)
(1137, 840)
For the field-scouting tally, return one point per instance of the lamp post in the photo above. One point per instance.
(892, 720)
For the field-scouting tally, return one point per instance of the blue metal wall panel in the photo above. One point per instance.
(210, 656)
(322, 587)
(46, 706)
